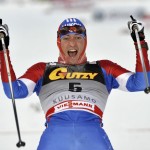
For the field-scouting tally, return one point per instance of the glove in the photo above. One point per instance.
(4, 33)
(132, 25)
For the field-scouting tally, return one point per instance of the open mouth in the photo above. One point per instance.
(72, 53)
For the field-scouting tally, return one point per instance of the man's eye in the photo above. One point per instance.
(65, 38)
(78, 37)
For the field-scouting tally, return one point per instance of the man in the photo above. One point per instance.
(73, 91)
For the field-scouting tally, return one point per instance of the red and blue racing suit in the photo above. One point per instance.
(73, 98)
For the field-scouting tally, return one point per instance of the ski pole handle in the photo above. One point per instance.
(135, 26)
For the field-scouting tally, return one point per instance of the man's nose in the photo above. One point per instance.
(72, 42)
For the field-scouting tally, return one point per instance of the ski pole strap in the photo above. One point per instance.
(143, 45)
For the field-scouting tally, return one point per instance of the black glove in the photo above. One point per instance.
(4, 33)
(132, 25)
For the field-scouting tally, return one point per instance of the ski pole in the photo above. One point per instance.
(20, 143)
(136, 29)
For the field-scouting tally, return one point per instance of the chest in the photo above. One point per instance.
(80, 73)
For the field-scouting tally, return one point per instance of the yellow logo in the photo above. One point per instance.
(61, 73)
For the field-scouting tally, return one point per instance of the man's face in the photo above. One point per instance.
(72, 46)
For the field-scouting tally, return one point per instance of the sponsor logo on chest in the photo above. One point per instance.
(61, 73)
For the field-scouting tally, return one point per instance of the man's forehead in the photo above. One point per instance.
(72, 35)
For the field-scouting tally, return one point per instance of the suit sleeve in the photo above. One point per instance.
(25, 85)
(123, 79)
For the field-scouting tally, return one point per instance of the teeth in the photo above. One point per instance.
(72, 50)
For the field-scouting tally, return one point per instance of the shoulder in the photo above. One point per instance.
(106, 63)
(112, 67)
(39, 64)
(35, 72)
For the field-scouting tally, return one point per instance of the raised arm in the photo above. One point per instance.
(118, 77)
(25, 85)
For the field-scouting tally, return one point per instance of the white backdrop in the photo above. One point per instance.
(32, 30)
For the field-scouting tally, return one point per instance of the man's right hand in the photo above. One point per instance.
(4, 34)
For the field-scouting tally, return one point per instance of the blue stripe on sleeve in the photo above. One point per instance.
(19, 89)
(136, 82)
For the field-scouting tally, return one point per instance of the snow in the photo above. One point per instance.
(32, 30)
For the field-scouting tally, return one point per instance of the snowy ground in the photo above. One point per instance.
(33, 39)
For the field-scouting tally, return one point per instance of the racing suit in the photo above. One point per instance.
(73, 98)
